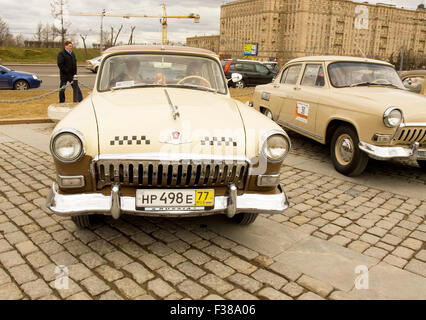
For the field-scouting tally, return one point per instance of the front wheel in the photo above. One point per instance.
(21, 85)
(422, 164)
(245, 218)
(240, 84)
(83, 221)
(346, 156)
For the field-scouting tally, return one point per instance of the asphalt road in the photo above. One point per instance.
(49, 74)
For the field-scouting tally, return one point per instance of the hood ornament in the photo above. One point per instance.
(175, 112)
(175, 138)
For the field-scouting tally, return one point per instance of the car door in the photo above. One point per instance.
(4, 78)
(283, 95)
(250, 73)
(305, 98)
(264, 75)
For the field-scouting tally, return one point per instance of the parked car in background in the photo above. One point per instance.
(271, 65)
(253, 72)
(93, 64)
(168, 142)
(17, 80)
(415, 81)
(358, 106)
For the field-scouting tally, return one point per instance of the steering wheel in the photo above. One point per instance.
(381, 80)
(195, 77)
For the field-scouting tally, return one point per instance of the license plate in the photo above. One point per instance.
(174, 199)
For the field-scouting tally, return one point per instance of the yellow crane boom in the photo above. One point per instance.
(163, 20)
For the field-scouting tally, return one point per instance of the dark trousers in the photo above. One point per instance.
(62, 92)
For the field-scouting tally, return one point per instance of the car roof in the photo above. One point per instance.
(159, 48)
(338, 58)
(414, 72)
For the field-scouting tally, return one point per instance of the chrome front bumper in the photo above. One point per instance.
(385, 153)
(115, 205)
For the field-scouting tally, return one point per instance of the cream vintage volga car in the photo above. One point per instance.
(359, 106)
(161, 136)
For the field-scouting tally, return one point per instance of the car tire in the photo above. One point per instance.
(422, 164)
(245, 218)
(96, 70)
(240, 84)
(83, 221)
(21, 85)
(346, 156)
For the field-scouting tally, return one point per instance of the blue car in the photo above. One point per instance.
(17, 80)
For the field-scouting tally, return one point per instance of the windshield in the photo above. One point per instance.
(139, 70)
(349, 74)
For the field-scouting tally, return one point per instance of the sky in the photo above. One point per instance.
(25, 18)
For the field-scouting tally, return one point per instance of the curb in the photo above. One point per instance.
(25, 121)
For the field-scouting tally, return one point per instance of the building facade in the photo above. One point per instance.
(287, 29)
(205, 42)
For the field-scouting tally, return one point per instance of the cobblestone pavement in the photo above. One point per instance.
(147, 258)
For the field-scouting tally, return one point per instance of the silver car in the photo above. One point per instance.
(93, 64)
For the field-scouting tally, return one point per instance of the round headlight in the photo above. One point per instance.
(276, 147)
(67, 147)
(392, 117)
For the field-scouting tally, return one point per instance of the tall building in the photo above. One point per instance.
(285, 29)
(205, 42)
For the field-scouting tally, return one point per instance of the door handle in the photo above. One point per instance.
(296, 88)
(276, 85)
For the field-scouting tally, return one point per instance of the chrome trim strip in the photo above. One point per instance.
(292, 126)
(172, 157)
(385, 153)
(91, 203)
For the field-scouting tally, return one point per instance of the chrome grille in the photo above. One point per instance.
(409, 135)
(169, 174)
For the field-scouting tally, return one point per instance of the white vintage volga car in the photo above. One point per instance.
(358, 106)
(161, 136)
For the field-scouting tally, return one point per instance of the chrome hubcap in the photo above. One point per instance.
(345, 149)
(21, 86)
(268, 114)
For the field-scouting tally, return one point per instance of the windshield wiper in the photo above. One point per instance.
(367, 83)
(140, 85)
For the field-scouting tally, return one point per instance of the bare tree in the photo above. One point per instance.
(114, 39)
(46, 35)
(38, 34)
(131, 35)
(5, 36)
(19, 40)
(84, 37)
(58, 12)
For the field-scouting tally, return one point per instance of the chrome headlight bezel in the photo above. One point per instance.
(67, 131)
(264, 142)
(388, 113)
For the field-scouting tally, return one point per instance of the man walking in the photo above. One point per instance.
(67, 64)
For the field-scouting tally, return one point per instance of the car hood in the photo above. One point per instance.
(372, 99)
(140, 120)
(21, 73)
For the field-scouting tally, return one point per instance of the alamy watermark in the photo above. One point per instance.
(62, 279)
(362, 280)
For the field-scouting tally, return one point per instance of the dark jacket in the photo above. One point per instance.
(67, 64)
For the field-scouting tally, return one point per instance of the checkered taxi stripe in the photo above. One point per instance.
(219, 141)
(129, 140)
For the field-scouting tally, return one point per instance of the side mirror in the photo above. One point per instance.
(235, 77)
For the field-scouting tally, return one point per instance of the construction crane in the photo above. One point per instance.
(163, 20)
